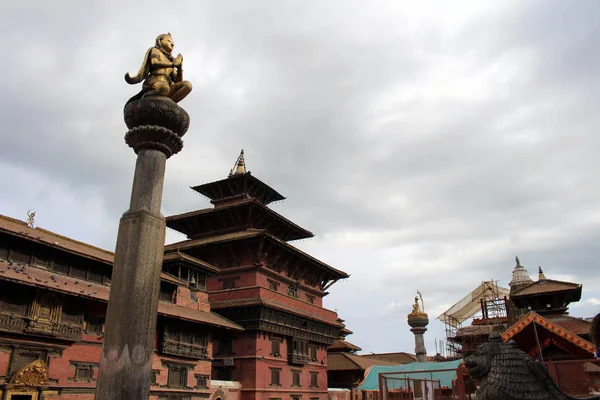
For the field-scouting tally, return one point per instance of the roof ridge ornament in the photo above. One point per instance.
(541, 276)
(239, 168)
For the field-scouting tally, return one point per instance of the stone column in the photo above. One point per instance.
(156, 125)
(418, 321)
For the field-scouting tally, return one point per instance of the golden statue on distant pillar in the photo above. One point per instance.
(161, 72)
(416, 309)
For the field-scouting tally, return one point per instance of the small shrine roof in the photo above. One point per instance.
(546, 286)
(176, 256)
(341, 345)
(395, 358)
(238, 184)
(352, 362)
(520, 333)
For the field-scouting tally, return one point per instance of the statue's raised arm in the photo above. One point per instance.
(161, 73)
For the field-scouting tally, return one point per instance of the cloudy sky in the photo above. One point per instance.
(425, 143)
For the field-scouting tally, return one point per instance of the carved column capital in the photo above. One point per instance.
(155, 123)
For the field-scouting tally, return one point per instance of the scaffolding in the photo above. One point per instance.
(486, 304)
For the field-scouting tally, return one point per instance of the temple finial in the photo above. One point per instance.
(541, 275)
(518, 261)
(239, 167)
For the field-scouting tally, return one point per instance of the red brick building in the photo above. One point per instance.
(236, 266)
(53, 297)
(272, 289)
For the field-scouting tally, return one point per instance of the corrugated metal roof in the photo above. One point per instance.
(434, 371)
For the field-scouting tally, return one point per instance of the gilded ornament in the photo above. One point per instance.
(34, 374)
(161, 73)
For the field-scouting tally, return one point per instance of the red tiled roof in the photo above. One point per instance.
(177, 222)
(343, 345)
(352, 362)
(20, 229)
(271, 303)
(207, 317)
(177, 256)
(252, 233)
(576, 325)
(395, 358)
(534, 318)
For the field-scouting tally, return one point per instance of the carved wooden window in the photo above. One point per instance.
(95, 275)
(23, 357)
(314, 379)
(276, 347)
(293, 291)
(71, 313)
(229, 283)
(41, 260)
(198, 281)
(94, 324)
(273, 285)
(295, 377)
(3, 250)
(14, 299)
(167, 292)
(153, 375)
(84, 372)
(275, 375)
(225, 346)
(310, 298)
(312, 352)
(296, 397)
(78, 272)
(20, 256)
(201, 381)
(61, 266)
(177, 376)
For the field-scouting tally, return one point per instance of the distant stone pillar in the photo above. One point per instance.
(418, 320)
(156, 125)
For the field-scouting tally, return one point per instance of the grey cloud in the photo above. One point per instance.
(424, 145)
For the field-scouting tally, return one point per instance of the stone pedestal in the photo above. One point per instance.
(156, 125)
(418, 322)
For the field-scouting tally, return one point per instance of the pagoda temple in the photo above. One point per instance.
(269, 287)
(539, 321)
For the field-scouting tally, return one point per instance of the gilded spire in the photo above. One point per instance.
(239, 167)
(541, 276)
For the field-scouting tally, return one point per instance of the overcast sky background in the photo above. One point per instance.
(424, 143)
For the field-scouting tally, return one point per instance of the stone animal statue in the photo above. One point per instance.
(507, 373)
